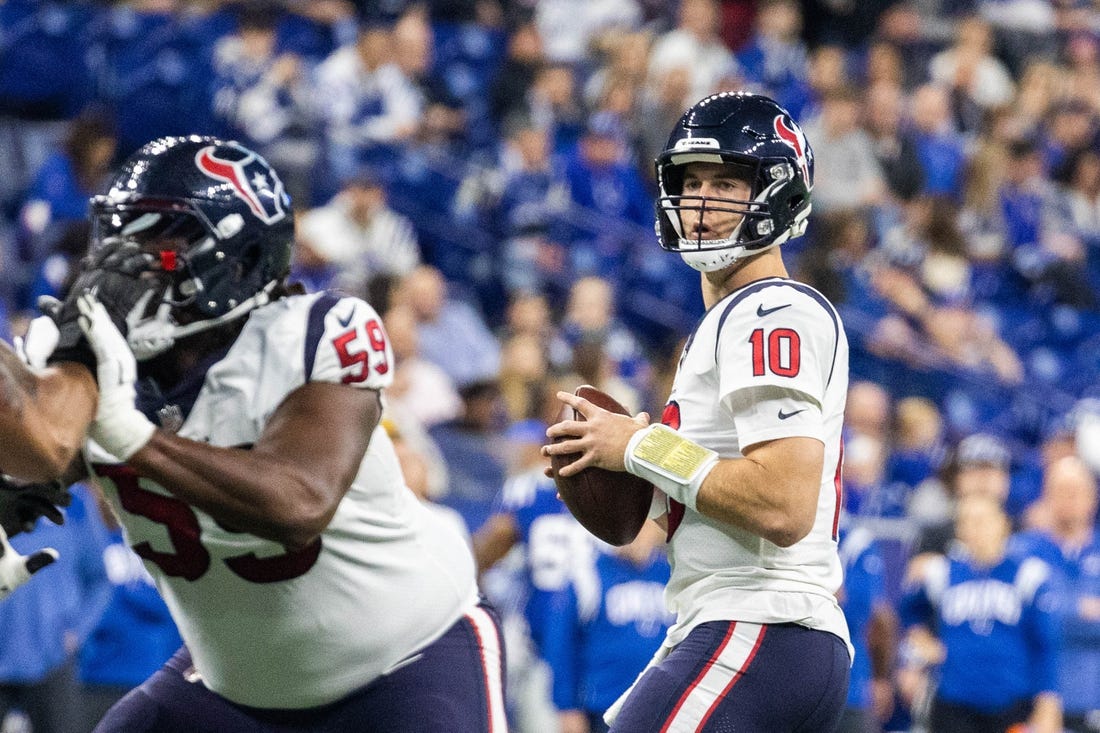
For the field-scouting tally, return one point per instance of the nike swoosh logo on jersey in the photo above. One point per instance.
(785, 415)
(345, 322)
(761, 311)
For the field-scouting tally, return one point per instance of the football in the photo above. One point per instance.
(612, 505)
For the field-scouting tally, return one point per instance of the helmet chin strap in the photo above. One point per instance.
(149, 337)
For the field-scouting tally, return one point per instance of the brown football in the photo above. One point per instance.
(612, 505)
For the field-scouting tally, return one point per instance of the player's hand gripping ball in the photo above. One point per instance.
(612, 505)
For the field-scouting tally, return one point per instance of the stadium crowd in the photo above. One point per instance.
(480, 171)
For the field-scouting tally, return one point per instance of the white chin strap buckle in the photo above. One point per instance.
(149, 337)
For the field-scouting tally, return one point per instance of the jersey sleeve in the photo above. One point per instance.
(346, 344)
(775, 352)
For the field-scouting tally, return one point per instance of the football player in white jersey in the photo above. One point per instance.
(235, 432)
(746, 458)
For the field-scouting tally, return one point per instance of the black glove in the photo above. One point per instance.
(22, 504)
(115, 272)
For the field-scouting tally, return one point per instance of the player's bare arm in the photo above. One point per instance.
(772, 491)
(43, 416)
(287, 486)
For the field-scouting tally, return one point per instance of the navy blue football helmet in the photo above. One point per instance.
(217, 222)
(768, 148)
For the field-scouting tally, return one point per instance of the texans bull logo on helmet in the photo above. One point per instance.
(250, 180)
(792, 136)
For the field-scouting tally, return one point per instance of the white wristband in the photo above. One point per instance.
(122, 433)
(669, 461)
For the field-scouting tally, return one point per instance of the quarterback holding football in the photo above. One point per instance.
(746, 457)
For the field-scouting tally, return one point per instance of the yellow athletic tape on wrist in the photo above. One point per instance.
(671, 462)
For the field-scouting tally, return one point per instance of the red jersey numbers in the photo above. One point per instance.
(777, 351)
(354, 350)
(189, 558)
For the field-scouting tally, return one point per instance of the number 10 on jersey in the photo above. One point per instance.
(778, 352)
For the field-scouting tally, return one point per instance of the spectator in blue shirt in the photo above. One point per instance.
(614, 205)
(604, 627)
(939, 144)
(47, 621)
(1068, 539)
(988, 620)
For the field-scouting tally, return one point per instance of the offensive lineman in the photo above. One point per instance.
(242, 452)
(747, 455)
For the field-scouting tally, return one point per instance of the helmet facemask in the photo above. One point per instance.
(760, 219)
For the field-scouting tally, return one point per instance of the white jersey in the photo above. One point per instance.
(768, 361)
(273, 629)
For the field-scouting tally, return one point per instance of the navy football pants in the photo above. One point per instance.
(737, 677)
(435, 692)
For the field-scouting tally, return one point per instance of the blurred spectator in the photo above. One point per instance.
(56, 204)
(1023, 28)
(357, 237)
(918, 448)
(570, 27)
(986, 620)
(1044, 250)
(868, 410)
(369, 105)
(696, 47)
(472, 448)
(939, 144)
(828, 70)
(526, 201)
(553, 104)
(1082, 57)
(775, 57)
(1082, 193)
(453, 334)
(836, 263)
(590, 315)
(923, 273)
(979, 465)
(867, 444)
(1072, 126)
(523, 374)
(977, 79)
(661, 104)
(415, 467)
(45, 623)
(894, 145)
(516, 75)
(1066, 537)
(614, 206)
(263, 96)
(134, 636)
(873, 626)
(603, 628)
(421, 390)
(442, 117)
(846, 172)
(616, 84)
